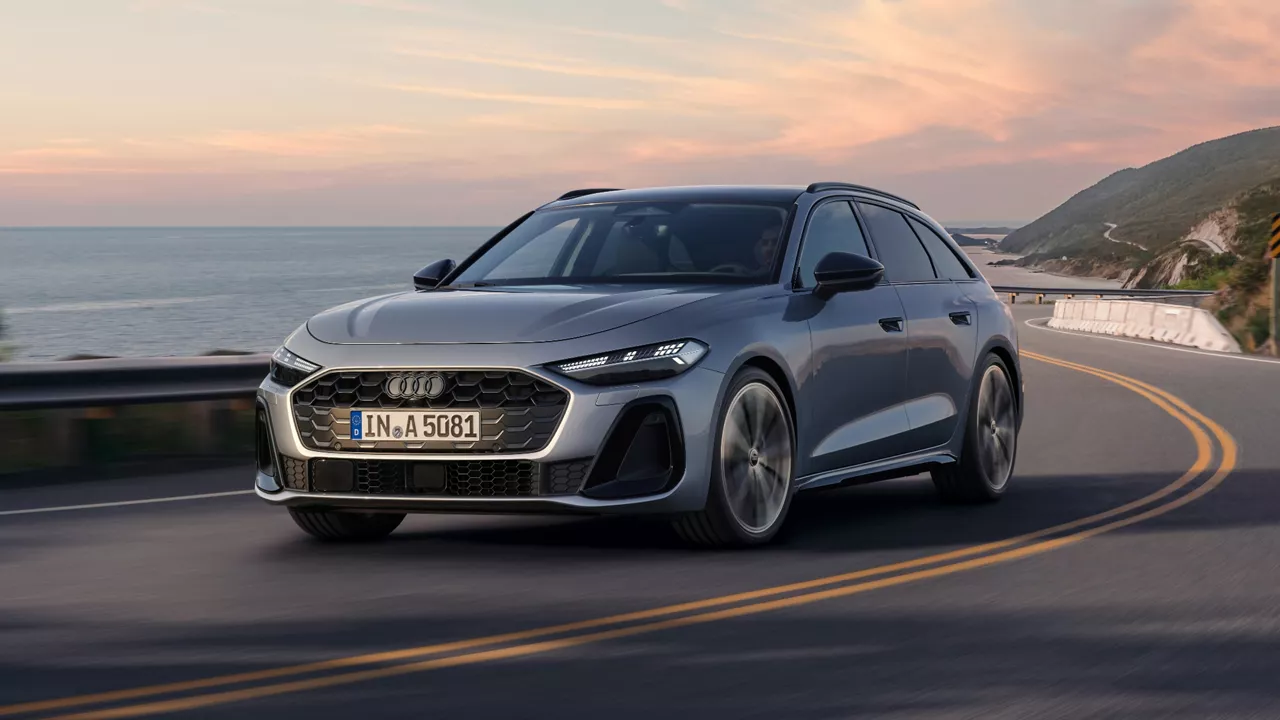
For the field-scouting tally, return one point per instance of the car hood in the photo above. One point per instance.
(497, 315)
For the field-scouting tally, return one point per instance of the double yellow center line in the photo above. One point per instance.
(223, 689)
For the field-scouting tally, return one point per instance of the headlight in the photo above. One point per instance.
(650, 362)
(289, 369)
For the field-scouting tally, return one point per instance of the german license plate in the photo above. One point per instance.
(415, 425)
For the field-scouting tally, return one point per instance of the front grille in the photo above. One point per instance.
(518, 412)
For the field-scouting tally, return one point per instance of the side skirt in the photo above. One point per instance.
(900, 466)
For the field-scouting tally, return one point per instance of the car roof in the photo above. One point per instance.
(714, 193)
(692, 193)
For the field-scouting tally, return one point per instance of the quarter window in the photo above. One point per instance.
(944, 258)
(897, 246)
(832, 228)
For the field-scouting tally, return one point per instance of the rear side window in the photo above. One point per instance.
(944, 259)
(898, 247)
(832, 228)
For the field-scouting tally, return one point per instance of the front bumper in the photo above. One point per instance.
(588, 432)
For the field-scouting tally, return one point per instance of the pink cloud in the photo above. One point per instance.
(767, 91)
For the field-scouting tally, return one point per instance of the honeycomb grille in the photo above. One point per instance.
(380, 478)
(565, 478)
(491, 478)
(518, 412)
(294, 473)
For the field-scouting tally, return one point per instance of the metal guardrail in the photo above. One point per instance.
(129, 381)
(1105, 292)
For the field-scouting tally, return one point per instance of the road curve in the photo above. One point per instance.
(1112, 226)
(1130, 572)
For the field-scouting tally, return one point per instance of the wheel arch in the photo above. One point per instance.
(773, 366)
(1003, 349)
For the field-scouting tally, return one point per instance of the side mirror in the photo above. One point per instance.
(846, 272)
(430, 276)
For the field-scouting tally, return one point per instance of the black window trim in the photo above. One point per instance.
(797, 285)
(871, 241)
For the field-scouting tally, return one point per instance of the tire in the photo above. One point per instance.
(753, 467)
(985, 466)
(335, 526)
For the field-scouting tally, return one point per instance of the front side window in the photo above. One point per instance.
(637, 242)
(832, 228)
(897, 246)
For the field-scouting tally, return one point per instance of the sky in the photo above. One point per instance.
(438, 112)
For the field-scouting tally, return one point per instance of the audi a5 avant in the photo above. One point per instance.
(699, 352)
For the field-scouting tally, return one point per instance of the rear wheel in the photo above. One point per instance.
(990, 444)
(337, 526)
(751, 476)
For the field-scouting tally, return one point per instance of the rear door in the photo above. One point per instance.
(854, 393)
(940, 321)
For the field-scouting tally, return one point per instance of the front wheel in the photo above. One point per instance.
(990, 443)
(336, 526)
(751, 476)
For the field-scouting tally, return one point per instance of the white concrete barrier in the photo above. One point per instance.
(1176, 324)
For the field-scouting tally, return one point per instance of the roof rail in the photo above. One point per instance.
(584, 191)
(823, 186)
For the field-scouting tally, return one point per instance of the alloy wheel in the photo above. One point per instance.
(756, 457)
(997, 426)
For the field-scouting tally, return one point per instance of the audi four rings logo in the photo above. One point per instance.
(415, 386)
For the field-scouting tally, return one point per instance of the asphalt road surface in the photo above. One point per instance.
(1132, 571)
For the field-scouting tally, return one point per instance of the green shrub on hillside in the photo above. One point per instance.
(1259, 327)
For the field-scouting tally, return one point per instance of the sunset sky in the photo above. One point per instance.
(386, 112)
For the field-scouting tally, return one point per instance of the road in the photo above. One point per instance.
(1157, 599)
(1107, 235)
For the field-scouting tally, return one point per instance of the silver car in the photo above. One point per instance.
(698, 352)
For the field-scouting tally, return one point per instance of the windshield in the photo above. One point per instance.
(636, 242)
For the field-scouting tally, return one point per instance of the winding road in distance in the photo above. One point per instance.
(1131, 572)
(1107, 235)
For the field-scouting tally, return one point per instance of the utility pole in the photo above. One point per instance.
(1273, 251)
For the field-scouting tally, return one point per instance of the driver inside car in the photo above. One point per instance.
(762, 254)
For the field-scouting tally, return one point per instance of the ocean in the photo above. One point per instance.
(185, 291)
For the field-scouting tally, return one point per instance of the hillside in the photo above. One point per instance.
(965, 240)
(1195, 220)
(1154, 206)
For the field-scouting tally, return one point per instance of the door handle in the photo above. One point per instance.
(962, 318)
(891, 324)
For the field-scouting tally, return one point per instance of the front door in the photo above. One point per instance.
(855, 389)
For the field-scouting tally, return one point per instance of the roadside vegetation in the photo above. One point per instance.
(1241, 278)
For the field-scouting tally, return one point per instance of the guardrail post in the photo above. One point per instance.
(1013, 298)
(1039, 298)
(1070, 296)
